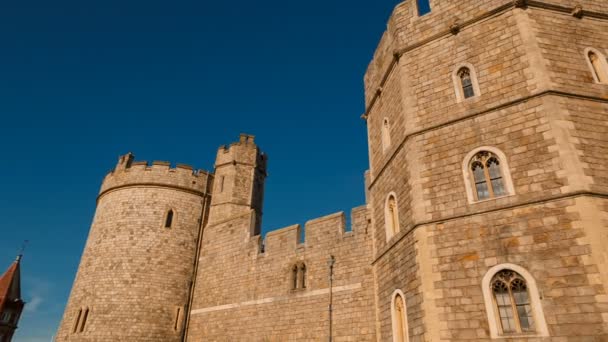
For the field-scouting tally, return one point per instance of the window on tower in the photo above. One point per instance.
(599, 66)
(386, 134)
(513, 303)
(465, 82)
(391, 216)
(169, 218)
(399, 317)
(487, 174)
(424, 7)
(85, 316)
(77, 321)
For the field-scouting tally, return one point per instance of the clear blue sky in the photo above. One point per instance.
(82, 82)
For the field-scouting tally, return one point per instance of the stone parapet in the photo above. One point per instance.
(140, 173)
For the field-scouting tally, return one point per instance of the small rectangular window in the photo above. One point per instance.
(424, 7)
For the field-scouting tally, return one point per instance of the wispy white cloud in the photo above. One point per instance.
(34, 303)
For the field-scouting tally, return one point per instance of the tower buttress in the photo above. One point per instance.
(240, 172)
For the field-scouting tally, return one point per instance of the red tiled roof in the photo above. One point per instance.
(10, 283)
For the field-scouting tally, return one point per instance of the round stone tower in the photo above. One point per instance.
(134, 278)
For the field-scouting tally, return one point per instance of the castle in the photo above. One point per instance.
(486, 214)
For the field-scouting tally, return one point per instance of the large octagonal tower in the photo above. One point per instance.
(488, 141)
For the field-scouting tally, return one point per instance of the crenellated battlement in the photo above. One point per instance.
(323, 232)
(244, 151)
(129, 172)
(406, 30)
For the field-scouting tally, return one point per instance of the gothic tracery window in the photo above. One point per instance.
(512, 301)
(466, 82)
(487, 176)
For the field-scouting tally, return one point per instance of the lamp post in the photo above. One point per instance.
(331, 263)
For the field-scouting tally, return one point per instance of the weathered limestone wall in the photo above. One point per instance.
(134, 276)
(244, 294)
(553, 225)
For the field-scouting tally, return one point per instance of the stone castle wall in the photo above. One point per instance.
(135, 274)
(537, 104)
(244, 291)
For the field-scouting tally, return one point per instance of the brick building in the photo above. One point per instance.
(11, 303)
(486, 214)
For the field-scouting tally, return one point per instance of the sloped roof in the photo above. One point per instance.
(10, 283)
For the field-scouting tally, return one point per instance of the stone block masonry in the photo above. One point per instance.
(486, 215)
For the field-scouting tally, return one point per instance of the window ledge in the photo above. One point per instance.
(491, 199)
(522, 335)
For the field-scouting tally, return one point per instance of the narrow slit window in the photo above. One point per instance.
(84, 319)
(77, 322)
(386, 134)
(298, 276)
(303, 276)
(424, 7)
(294, 276)
(221, 184)
(178, 313)
(169, 219)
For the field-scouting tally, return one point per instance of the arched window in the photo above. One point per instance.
(298, 276)
(386, 134)
(599, 66)
(391, 216)
(169, 219)
(513, 303)
(294, 277)
(399, 317)
(303, 276)
(465, 82)
(487, 176)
